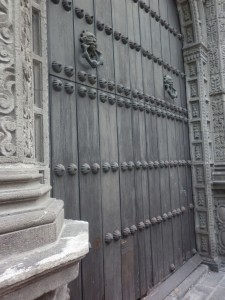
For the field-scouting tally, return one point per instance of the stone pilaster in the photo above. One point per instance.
(40, 251)
(193, 23)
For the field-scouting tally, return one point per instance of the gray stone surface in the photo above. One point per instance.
(210, 287)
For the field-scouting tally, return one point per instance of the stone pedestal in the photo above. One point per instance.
(40, 250)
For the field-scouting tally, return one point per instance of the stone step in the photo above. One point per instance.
(180, 291)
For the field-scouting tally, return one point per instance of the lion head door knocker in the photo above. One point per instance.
(89, 47)
(168, 84)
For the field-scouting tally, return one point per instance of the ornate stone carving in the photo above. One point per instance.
(168, 84)
(201, 197)
(7, 84)
(89, 47)
(199, 174)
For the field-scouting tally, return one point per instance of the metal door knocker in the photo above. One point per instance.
(168, 84)
(89, 47)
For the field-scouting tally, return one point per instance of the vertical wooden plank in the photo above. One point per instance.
(84, 21)
(105, 38)
(139, 144)
(63, 112)
(163, 151)
(60, 37)
(110, 199)
(127, 194)
(90, 192)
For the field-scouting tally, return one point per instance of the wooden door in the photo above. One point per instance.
(119, 140)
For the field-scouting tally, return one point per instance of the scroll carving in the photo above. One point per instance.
(26, 55)
(89, 47)
(7, 83)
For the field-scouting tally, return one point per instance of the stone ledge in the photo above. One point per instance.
(18, 271)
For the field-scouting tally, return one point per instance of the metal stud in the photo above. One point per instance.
(111, 99)
(124, 39)
(127, 91)
(172, 267)
(134, 93)
(103, 83)
(138, 165)
(67, 5)
(108, 238)
(170, 215)
(111, 85)
(79, 12)
(130, 165)
(191, 206)
(82, 91)
(144, 164)
(174, 213)
(178, 211)
(162, 164)
(135, 105)
(56, 66)
(108, 30)
(116, 235)
(89, 19)
(100, 25)
(106, 167)
(138, 48)
(165, 217)
(92, 94)
(183, 209)
(153, 13)
(85, 168)
(127, 103)
(147, 108)
(147, 223)
(82, 76)
(120, 102)
(57, 85)
(132, 45)
(156, 164)
(114, 166)
(72, 169)
(55, 1)
(126, 232)
(166, 163)
(124, 166)
(142, 4)
(59, 170)
(92, 78)
(69, 71)
(117, 35)
(120, 88)
(141, 106)
(69, 88)
(147, 8)
(154, 221)
(141, 225)
(95, 168)
(150, 164)
(103, 97)
(133, 229)
(159, 219)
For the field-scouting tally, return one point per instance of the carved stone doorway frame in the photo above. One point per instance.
(203, 28)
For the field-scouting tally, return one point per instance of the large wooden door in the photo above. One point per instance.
(119, 140)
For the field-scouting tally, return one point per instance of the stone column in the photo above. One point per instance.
(40, 251)
(193, 23)
(215, 22)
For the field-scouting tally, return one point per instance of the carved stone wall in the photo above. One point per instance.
(32, 224)
(202, 27)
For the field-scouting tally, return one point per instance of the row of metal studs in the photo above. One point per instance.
(127, 231)
(72, 169)
(125, 40)
(158, 18)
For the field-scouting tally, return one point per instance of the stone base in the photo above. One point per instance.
(35, 273)
(213, 263)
